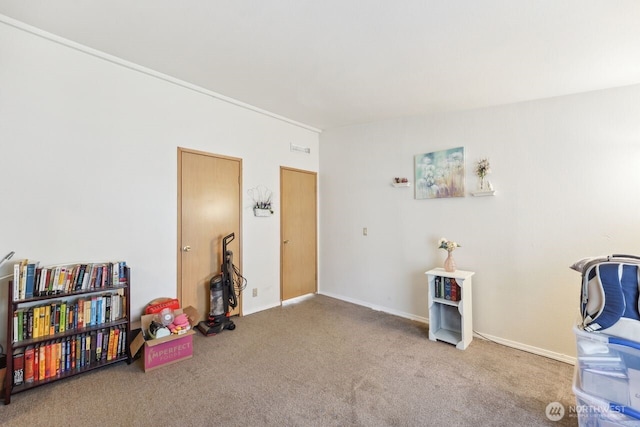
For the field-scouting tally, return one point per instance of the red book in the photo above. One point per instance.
(73, 353)
(36, 362)
(29, 359)
(47, 358)
(455, 290)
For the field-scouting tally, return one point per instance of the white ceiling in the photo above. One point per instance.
(329, 63)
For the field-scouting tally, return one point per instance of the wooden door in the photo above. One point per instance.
(209, 202)
(298, 228)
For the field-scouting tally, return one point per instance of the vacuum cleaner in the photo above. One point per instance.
(224, 290)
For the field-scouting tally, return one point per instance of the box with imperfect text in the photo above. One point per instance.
(166, 350)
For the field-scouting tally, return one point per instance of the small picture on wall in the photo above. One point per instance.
(440, 174)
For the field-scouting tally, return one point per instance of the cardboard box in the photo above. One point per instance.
(167, 350)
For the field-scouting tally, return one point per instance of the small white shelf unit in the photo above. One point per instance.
(401, 184)
(451, 321)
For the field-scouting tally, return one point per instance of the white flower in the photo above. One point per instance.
(449, 245)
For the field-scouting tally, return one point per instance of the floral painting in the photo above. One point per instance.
(440, 174)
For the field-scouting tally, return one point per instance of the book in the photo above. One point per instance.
(18, 368)
(36, 362)
(42, 362)
(70, 281)
(16, 282)
(122, 274)
(49, 282)
(56, 318)
(99, 336)
(82, 350)
(454, 290)
(68, 354)
(23, 280)
(47, 320)
(29, 358)
(42, 280)
(36, 322)
(115, 274)
(87, 312)
(61, 355)
(63, 316)
(87, 277)
(30, 280)
(73, 352)
(105, 276)
(88, 346)
(94, 347)
(110, 349)
(122, 336)
(36, 282)
(15, 326)
(80, 314)
(105, 344)
(98, 281)
(94, 310)
(29, 333)
(47, 360)
(107, 308)
(447, 288)
(80, 277)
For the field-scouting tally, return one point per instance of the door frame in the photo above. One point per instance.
(182, 150)
(315, 173)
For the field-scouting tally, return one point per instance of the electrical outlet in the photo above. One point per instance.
(255, 292)
(364, 231)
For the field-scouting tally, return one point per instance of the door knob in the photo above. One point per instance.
(186, 248)
(285, 242)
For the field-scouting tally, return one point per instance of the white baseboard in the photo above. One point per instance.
(257, 309)
(502, 341)
(528, 348)
(377, 307)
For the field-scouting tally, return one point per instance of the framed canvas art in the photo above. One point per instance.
(440, 174)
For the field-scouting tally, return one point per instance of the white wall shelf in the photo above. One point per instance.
(401, 184)
(483, 193)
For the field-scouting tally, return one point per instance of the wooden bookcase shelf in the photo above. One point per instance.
(450, 320)
(67, 352)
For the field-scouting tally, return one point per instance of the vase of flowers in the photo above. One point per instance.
(483, 168)
(449, 246)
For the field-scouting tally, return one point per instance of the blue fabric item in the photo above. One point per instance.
(629, 283)
(614, 303)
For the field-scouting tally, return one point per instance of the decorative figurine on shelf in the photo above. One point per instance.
(449, 245)
(483, 168)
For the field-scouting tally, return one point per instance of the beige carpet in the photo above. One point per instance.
(320, 362)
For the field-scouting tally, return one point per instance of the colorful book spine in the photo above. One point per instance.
(18, 368)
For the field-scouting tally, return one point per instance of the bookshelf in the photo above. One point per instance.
(89, 329)
(450, 312)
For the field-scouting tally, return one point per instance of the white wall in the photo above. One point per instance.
(88, 164)
(566, 171)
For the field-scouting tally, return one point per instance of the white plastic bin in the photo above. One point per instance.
(592, 411)
(609, 367)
